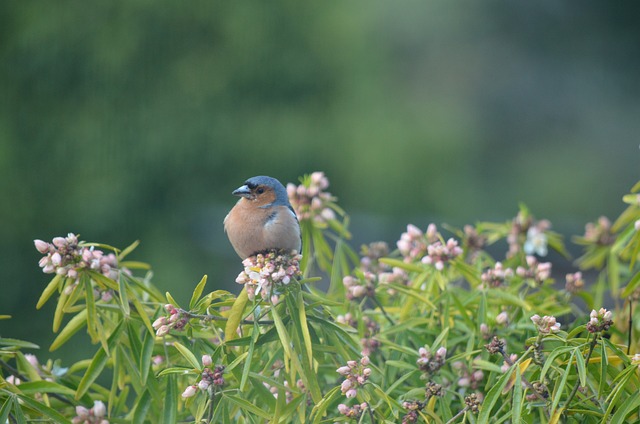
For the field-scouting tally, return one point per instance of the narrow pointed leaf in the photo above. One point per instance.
(142, 408)
(43, 409)
(170, 408)
(49, 290)
(188, 355)
(197, 292)
(72, 327)
(235, 315)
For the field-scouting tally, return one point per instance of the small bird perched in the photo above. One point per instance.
(263, 219)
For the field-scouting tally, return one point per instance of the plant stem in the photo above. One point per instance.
(455, 417)
(592, 346)
(630, 326)
(217, 318)
(379, 305)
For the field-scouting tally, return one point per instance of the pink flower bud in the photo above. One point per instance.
(203, 385)
(343, 370)
(56, 259)
(99, 409)
(351, 393)
(59, 242)
(364, 361)
(190, 391)
(346, 385)
(441, 352)
(41, 246)
(343, 409)
(162, 331)
(82, 412)
(206, 360)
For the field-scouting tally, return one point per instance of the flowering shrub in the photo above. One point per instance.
(435, 331)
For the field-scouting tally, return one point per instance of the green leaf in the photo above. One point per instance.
(603, 370)
(559, 389)
(176, 370)
(402, 265)
(43, 386)
(127, 250)
(235, 315)
(632, 286)
(142, 408)
(249, 356)
(197, 292)
(49, 290)
(630, 404)
(582, 369)
(72, 327)
(104, 281)
(145, 356)
(6, 409)
(492, 398)
(246, 406)
(41, 408)
(305, 327)
(188, 355)
(236, 361)
(142, 314)
(18, 343)
(59, 313)
(92, 317)
(517, 398)
(170, 408)
(171, 300)
(98, 363)
(122, 296)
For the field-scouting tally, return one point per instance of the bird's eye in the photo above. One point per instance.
(260, 190)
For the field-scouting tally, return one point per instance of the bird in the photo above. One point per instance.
(263, 219)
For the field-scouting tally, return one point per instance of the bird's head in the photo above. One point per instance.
(264, 191)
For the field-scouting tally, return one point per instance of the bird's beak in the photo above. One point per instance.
(242, 191)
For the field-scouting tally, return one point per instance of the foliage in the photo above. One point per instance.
(434, 331)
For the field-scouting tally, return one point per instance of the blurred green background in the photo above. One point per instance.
(135, 120)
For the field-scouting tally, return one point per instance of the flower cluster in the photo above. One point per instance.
(413, 407)
(438, 253)
(360, 287)
(265, 271)
(356, 373)
(574, 282)
(473, 402)
(600, 320)
(496, 346)
(376, 271)
(95, 415)
(353, 412)
(371, 329)
(599, 233)
(532, 232)
(468, 378)
(277, 368)
(536, 271)
(175, 321)
(430, 363)
(413, 243)
(433, 389)
(472, 240)
(546, 324)
(66, 257)
(496, 276)
(310, 200)
(208, 378)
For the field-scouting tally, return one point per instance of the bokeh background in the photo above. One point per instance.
(135, 120)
